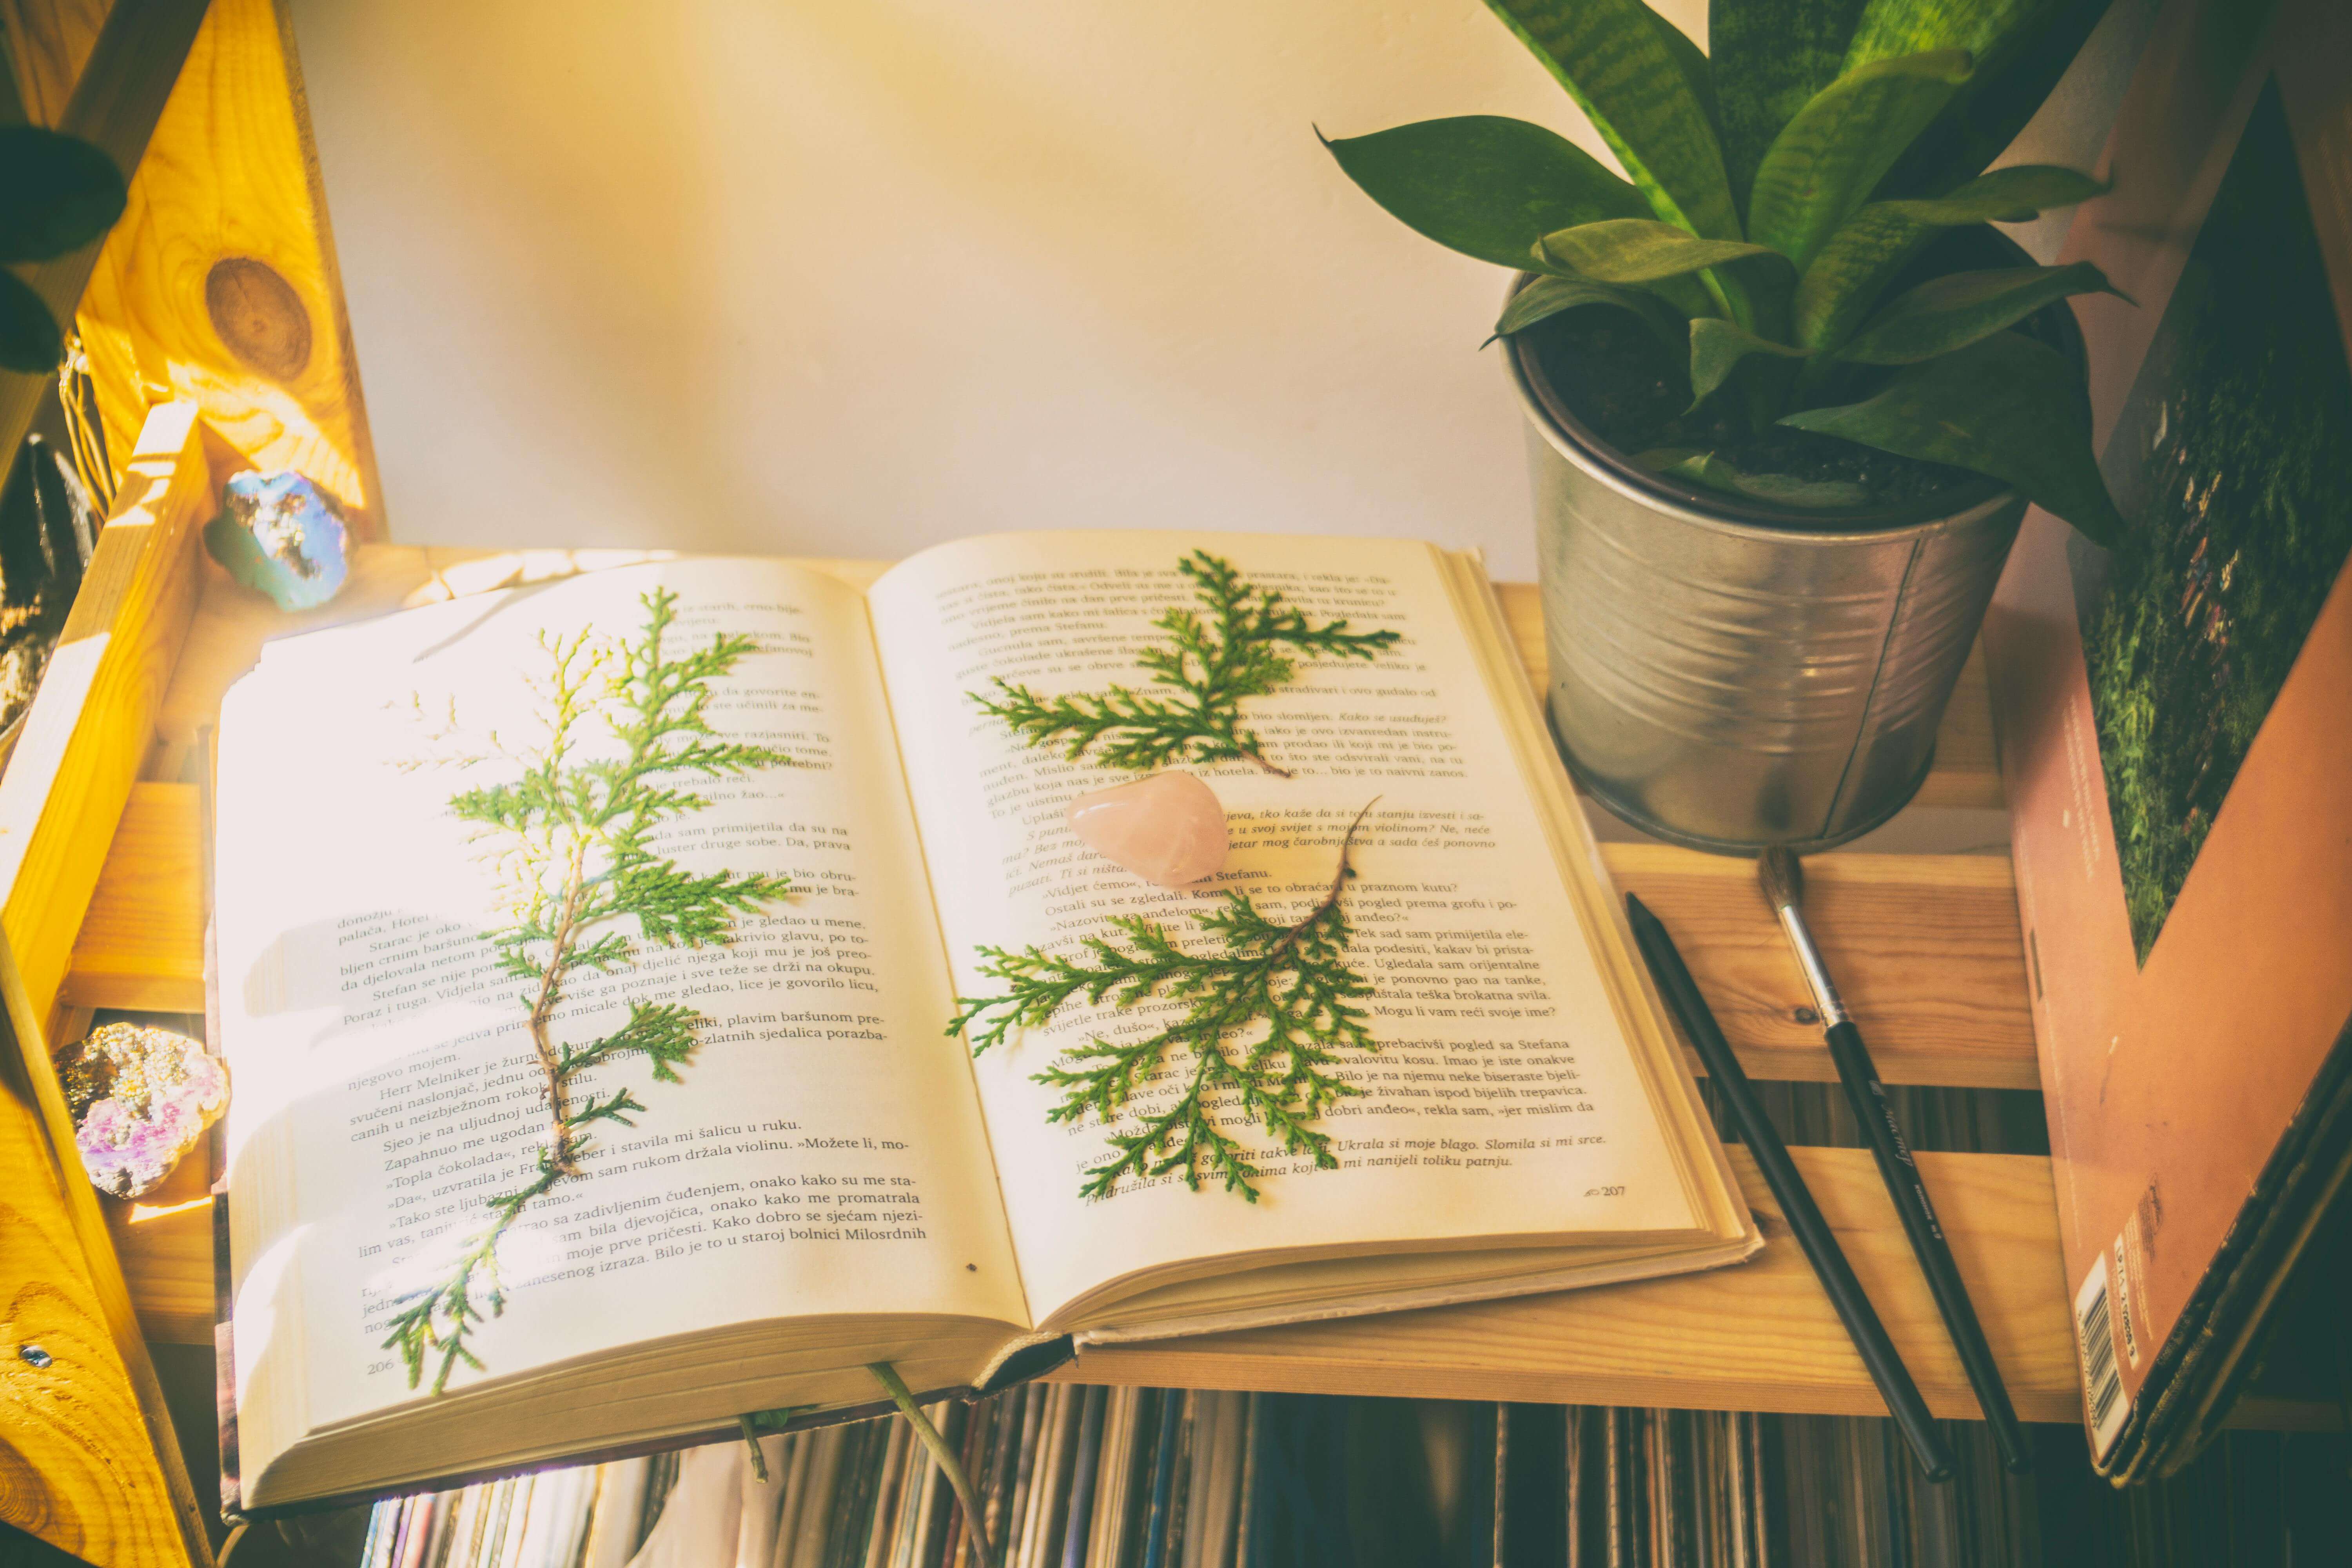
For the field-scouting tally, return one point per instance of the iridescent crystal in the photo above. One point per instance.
(282, 535)
(1167, 829)
(141, 1096)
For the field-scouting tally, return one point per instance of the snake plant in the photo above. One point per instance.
(1778, 190)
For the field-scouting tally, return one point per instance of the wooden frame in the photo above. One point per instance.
(101, 1474)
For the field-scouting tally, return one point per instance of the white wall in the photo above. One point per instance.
(849, 277)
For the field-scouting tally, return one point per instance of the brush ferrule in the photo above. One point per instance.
(1817, 974)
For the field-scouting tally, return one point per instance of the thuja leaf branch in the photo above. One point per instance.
(1266, 1012)
(624, 729)
(1243, 647)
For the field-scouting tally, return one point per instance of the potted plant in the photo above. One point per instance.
(1789, 394)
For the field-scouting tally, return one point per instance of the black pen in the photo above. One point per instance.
(1797, 1207)
(1783, 881)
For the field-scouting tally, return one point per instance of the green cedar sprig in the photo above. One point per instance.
(1292, 981)
(1207, 667)
(573, 837)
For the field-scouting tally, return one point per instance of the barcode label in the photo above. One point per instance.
(2103, 1381)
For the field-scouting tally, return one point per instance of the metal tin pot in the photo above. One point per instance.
(1729, 675)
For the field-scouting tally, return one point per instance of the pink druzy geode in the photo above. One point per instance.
(140, 1097)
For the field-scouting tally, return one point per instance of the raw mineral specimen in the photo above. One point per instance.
(140, 1097)
(1167, 829)
(282, 535)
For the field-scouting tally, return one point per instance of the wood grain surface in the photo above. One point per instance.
(77, 1465)
(93, 720)
(220, 285)
(1925, 949)
(143, 942)
(165, 1240)
(49, 41)
(90, 1460)
(1761, 1336)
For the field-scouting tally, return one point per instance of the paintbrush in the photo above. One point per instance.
(1783, 879)
(1879, 1356)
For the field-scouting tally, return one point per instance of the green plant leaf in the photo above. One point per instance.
(1875, 244)
(2013, 195)
(2005, 406)
(1956, 309)
(1771, 57)
(1547, 297)
(1698, 71)
(1826, 160)
(1611, 58)
(1686, 297)
(1892, 29)
(1717, 347)
(1635, 250)
(30, 339)
(2019, 60)
(57, 192)
(1243, 642)
(1482, 184)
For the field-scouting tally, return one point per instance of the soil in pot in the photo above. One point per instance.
(1623, 384)
(1626, 386)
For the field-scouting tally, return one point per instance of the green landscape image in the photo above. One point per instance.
(2232, 462)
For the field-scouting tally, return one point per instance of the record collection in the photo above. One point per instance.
(1073, 1477)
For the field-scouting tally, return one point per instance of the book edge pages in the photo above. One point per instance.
(1641, 1013)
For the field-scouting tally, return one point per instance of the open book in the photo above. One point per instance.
(779, 1166)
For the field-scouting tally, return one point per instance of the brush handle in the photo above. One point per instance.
(1900, 1172)
(1789, 1190)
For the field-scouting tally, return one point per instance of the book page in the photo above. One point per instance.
(783, 1132)
(1502, 1100)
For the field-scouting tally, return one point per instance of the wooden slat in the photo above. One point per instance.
(220, 282)
(142, 942)
(77, 1466)
(165, 1240)
(49, 41)
(91, 723)
(1761, 1336)
(88, 728)
(1965, 773)
(1967, 769)
(1925, 950)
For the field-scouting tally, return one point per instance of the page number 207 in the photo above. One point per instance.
(1604, 1191)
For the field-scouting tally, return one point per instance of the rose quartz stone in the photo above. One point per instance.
(1167, 829)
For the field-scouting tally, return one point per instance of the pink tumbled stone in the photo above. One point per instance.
(1167, 829)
